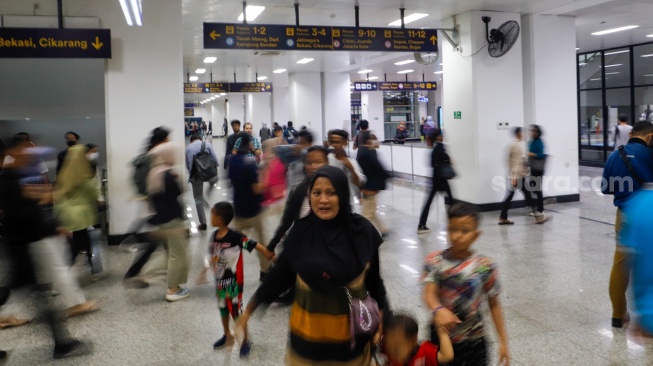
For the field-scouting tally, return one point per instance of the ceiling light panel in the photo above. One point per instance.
(193, 78)
(365, 71)
(614, 30)
(260, 78)
(616, 52)
(253, 11)
(279, 71)
(408, 19)
(210, 60)
(200, 71)
(405, 71)
(305, 60)
(404, 62)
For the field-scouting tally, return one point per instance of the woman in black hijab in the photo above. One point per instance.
(330, 249)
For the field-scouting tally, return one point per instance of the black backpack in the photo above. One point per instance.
(141, 166)
(205, 167)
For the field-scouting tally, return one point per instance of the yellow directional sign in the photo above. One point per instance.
(97, 44)
(214, 35)
(433, 40)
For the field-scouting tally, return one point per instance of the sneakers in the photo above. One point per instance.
(422, 229)
(245, 348)
(540, 218)
(71, 349)
(79, 309)
(619, 323)
(222, 342)
(180, 294)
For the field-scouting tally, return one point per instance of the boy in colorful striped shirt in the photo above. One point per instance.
(225, 251)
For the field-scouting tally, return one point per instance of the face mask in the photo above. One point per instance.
(93, 156)
(70, 142)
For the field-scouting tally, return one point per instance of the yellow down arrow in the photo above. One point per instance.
(214, 35)
(97, 44)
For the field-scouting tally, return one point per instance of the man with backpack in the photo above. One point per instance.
(201, 163)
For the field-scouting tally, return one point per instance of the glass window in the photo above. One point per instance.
(644, 103)
(401, 106)
(591, 122)
(643, 63)
(617, 67)
(589, 68)
(618, 102)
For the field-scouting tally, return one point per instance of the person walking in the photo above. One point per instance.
(518, 172)
(195, 147)
(536, 160)
(622, 131)
(624, 173)
(164, 190)
(231, 141)
(376, 177)
(439, 183)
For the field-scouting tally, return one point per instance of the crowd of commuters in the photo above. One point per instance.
(323, 258)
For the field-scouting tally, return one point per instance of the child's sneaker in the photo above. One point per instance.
(222, 342)
(245, 348)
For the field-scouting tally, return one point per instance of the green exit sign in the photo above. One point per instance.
(457, 115)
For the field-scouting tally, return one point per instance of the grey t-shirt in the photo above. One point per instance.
(622, 135)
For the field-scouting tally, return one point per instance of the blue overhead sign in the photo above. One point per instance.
(318, 38)
(54, 43)
(372, 86)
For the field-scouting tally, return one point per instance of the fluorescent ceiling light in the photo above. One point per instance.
(649, 75)
(614, 65)
(613, 30)
(200, 71)
(408, 19)
(650, 35)
(223, 93)
(193, 78)
(210, 60)
(441, 64)
(611, 73)
(615, 52)
(404, 71)
(125, 10)
(279, 71)
(261, 78)
(365, 71)
(595, 79)
(649, 55)
(404, 62)
(136, 10)
(439, 72)
(305, 60)
(253, 11)
(577, 48)
(212, 98)
(372, 78)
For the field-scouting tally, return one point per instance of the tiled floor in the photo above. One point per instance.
(554, 294)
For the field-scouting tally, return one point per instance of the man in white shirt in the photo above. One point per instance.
(338, 140)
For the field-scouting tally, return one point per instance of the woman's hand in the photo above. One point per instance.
(504, 356)
(446, 319)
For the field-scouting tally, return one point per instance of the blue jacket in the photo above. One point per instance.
(536, 146)
(614, 171)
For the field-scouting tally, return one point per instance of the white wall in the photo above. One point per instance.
(550, 93)
(486, 90)
(305, 97)
(337, 102)
(259, 110)
(128, 122)
(281, 105)
(236, 108)
(372, 111)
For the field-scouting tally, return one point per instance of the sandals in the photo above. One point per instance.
(506, 222)
(12, 321)
(87, 307)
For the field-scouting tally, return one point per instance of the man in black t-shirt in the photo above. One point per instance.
(231, 141)
(247, 195)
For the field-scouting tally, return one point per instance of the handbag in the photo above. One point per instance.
(537, 165)
(446, 171)
(364, 317)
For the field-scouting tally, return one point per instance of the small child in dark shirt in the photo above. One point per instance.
(402, 348)
(226, 260)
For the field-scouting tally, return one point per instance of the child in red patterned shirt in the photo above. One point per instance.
(401, 346)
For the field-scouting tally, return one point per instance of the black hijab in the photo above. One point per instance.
(328, 254)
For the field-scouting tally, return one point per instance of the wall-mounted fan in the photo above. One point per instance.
(501, 40)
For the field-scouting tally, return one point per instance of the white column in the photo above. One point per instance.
(236, 108)
(142, 91)
(550, 95)
(281, 104)
(486, 91)
(305, 100)
(258, 110)
(372, 111)
(336, 95)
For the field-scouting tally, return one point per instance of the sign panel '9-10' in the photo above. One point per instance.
(321, 38)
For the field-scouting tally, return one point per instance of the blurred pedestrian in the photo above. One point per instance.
(440, 161)
(376, 176)
(195, 147)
